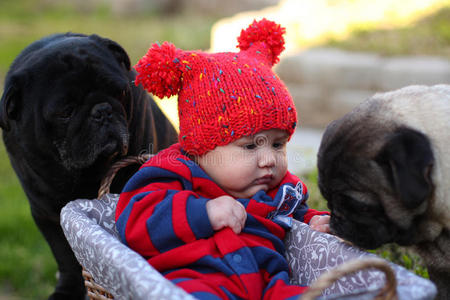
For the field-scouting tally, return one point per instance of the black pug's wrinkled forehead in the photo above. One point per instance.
(96, 58)
(56, 61)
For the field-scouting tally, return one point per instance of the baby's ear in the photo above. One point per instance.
(159, 71)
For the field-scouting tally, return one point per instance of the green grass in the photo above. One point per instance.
(427, 36)
(27, 268)
(135, 33)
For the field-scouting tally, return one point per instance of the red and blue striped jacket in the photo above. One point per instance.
(161, 214)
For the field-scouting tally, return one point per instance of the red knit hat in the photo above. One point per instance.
(222, 96)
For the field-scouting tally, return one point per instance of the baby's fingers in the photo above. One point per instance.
(239, 218)
(322, 228)
(320, 223)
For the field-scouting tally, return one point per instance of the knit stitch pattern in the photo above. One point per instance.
(222, 96)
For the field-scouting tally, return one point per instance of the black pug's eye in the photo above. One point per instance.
(124, 95)
(65, 114)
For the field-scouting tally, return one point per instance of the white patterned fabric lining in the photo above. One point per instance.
(90, 229)
(311, 253)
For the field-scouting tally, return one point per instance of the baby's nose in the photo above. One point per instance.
(266, 158)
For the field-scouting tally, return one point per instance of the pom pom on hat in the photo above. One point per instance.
(158, 71)
(264, 31)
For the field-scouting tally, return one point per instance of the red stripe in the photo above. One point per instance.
(210, 282)
(254, 285)
(123, 202)
(168, 159)
(184, 255)
(207, 188)
(257, 208)
(180, 222)
(136, 232)
(311, 213)
(155, 186)
(275, 229)
(227, 241)
(256, 241)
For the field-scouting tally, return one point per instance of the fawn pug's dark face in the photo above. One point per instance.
(375, 175)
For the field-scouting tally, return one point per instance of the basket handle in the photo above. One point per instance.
(129, 160)
(388, 292)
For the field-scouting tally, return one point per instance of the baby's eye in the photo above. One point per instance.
(278, 145)
(250, 146)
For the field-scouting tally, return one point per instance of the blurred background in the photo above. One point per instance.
(338, 52)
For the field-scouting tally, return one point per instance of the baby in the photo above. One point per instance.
(210, 212)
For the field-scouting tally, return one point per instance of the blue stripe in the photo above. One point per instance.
(253, 227)
(242, 261)
(262, 197)
(208, 264)
(270, 260)
(148, 175)
(237, 263)
(195, 169)
(243, 201)
(205, 296)
(284, 276)
(197, 217)
(178, 280)
(160, 226)
(121, 222)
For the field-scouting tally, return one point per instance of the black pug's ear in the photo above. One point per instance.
(119, 53)
(408, 159)
(9, 105)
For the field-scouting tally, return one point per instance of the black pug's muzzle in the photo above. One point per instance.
(99, 134)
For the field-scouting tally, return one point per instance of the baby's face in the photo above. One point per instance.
(249, 164)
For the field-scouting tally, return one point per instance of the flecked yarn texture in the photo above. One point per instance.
(222, 96)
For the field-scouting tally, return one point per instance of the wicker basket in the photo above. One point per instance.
(94, 290)
(97, 292)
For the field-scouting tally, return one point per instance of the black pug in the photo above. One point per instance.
(385, 170)
(68, 111)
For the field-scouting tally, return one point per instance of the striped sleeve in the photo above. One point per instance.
(157, 211)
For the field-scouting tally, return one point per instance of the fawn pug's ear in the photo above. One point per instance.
(407, 158)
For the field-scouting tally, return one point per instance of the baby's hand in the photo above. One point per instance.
(320, 223)
(225, 211)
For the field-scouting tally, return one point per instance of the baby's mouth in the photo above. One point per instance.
(266, 179)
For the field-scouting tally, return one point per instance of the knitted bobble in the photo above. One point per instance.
(265, 31)
(159, 70)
